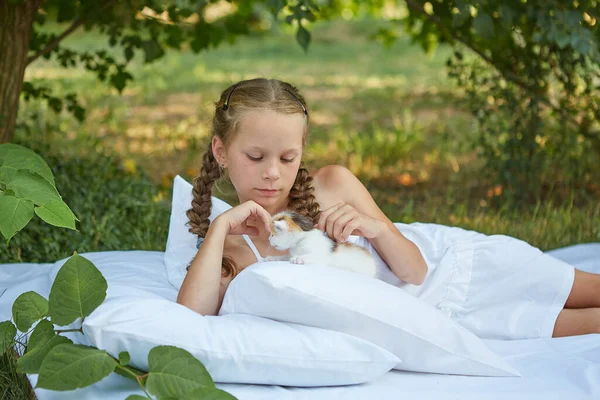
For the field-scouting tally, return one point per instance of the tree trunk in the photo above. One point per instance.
(16, 21)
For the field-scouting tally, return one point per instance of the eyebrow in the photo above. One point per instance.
(294, 149)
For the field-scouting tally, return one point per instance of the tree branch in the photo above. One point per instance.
(509, 76)
(54, 43)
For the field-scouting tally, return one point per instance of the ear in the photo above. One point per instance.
(280, 225)
(218, 150)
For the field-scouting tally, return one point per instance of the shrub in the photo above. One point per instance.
(118, 210)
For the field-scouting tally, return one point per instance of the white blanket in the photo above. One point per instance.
(566, 368)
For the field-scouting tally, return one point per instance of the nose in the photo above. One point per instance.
(272, 171)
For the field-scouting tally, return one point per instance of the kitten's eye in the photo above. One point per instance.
(254, 158)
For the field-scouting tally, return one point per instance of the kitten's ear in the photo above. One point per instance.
(280, 225)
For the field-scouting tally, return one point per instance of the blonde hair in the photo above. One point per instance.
(234, 103)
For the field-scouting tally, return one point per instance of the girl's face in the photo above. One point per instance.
(264, 157)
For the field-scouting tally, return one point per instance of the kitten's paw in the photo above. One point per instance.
(297, 260)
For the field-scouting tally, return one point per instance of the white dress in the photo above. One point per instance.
(496, 286)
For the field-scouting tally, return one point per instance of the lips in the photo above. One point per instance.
(268, 192)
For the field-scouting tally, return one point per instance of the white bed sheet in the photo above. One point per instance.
(565, 368)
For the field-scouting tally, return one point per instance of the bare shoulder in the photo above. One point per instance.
(331, 184)
(336, 184)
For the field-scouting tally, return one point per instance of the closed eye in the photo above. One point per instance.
(257, 159)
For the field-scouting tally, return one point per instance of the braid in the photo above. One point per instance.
(302, 199)
(202, 204)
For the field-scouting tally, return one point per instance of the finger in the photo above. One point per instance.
(350, 229)
(340, 224)
(332, 224)
(325, 214)
(264, 216)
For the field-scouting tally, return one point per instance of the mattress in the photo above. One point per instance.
(558, 368)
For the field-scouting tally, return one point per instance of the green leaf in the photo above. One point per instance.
(119, 79)
(42, 340)
(7, 335)
(128, 53)
(57, 213)
(124, 358)
(136, 397)
(28, 308)
(275, 6)
(174, 372)
(464, 14)
(19, 157)
(303, 37)
(208, 394)
(484, 25)
(15, 214)
(563, 39)
(152, 50)
(72, 366)
(77, 290)
(507, 16)
(29, 185)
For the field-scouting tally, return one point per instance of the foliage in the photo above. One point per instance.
(27, 187)
(148, 28)
(63, 365)
(120, 211)
(531, 74)
(534, 65)
(78, 289)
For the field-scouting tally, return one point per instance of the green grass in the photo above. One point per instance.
(362, 96)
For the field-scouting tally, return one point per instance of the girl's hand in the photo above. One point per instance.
(244, 219)
(343, 220)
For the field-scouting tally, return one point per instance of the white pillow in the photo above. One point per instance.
(423, 337)
(140, 313)
(181, 244)
(236, 348)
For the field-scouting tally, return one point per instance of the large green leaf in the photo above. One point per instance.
(7, 335)
(42, 340)
(29, 185)
(28, 308)
(15, 214)
(175, 372)
(57, 213)
(19, 157)
(77, 290)
(72, 366)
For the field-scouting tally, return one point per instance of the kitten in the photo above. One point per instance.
(307, 245)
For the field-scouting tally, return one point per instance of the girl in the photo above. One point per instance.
(496, 286)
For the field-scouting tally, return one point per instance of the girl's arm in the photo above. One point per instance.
(200, 290)
(352, 210)
(203, 288)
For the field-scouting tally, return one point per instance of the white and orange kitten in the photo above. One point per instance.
(308, 245)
